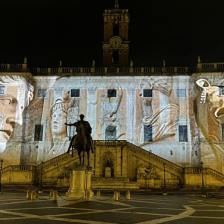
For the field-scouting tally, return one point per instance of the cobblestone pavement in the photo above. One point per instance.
(141, 209)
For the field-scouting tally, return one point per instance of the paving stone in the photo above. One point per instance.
(107, 210)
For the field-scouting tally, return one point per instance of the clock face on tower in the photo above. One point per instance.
(115, 42)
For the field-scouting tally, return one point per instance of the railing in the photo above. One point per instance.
(55, 161)
(110, 70)
(13, 67)
(206, 170)
(19, 168)
(95, 71)
(215, 173)
(110, 143)
(210, 67)
(193, 170)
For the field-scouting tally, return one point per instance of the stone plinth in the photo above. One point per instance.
(80, 184)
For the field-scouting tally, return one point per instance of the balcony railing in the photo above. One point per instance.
(95, 71)
(210, 67)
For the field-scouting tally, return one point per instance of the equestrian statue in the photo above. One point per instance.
(82, 141)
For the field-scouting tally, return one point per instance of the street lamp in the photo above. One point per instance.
(1, 164)
(202, 179)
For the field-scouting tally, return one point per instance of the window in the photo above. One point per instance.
(38, 135)
(222, 132)
(42, 93)
(147, 133)
(181, 92)
(75, 93)
(110, 133)
(221, 90)
(147, 92)
(111, 93)
(183, 133)
(2, 90)
(116, 29)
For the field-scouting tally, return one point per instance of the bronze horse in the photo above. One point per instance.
(82, 142)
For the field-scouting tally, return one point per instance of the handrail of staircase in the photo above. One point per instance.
(18, 168)
(206, 170)
(158, 158)
(110, 142)
(54, 161)
(215, 173)
(193, 170)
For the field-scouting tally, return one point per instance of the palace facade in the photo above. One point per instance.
(172, 112)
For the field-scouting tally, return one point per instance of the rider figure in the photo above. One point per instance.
(87, 130)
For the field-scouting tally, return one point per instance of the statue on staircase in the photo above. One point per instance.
(82, 141)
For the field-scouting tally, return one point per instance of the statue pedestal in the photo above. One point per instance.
(80, 184)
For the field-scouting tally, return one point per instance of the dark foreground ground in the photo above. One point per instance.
(144, 208)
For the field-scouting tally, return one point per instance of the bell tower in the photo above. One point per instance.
(115, 43)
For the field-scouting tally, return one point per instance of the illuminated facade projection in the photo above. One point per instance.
(153, 127)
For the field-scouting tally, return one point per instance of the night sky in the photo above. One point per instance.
(72, 31)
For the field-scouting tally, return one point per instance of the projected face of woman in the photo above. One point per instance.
(58, 127)
(15, 95)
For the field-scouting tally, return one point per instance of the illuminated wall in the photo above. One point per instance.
(209, 110)
(163, 114)
(147, 111)
(16, 92)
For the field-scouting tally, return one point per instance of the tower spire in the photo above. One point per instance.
(116, 4)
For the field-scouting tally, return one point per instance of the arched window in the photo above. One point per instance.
(110, 133)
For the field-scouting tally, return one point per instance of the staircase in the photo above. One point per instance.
(56, 171)
(51, 171)
(155, 160)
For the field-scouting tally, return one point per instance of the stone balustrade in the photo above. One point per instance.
(18, 174)
(19, 168)
(94, 70)
(210, 67)
(206, 170)
(54, 161)
(129, 70)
